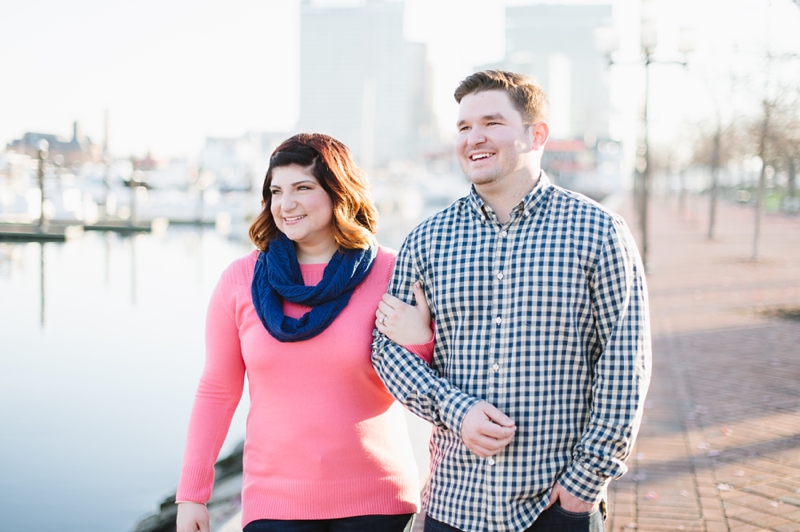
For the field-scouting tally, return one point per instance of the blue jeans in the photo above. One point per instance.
(554, 519)
(360, 523)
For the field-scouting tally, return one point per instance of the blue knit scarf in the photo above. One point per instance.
(277, 277)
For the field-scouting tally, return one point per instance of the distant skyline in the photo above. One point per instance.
(171, 73)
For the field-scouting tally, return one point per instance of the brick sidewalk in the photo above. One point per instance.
(719, 448)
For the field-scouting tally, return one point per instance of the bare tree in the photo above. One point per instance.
(787, 147)
(717, 145)
(792, 159)
(762, 134)
(772, 133)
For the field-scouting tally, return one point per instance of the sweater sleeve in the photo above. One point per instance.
(425, 351)
(218, 393)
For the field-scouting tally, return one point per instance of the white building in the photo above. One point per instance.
(362, 82)
(239, 163)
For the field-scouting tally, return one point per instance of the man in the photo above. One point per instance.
(542, 356)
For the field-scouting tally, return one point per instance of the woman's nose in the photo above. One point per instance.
(287, 202)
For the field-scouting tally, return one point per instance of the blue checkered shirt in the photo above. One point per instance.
(545, 317)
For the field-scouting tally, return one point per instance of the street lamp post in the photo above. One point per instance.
(607, 42)
(134, 186)
(649, 39)
(42, 146)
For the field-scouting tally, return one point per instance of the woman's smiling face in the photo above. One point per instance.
(301, 208)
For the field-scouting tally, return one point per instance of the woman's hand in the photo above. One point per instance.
(405, 324)
(192, 517)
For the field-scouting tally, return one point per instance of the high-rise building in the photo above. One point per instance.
(362, 82)
(554, 44)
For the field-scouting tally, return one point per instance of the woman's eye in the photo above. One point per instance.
(274, 192)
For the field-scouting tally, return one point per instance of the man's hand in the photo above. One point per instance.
(568, 501)
(486, 430)
(192, 517)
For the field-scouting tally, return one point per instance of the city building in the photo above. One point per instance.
(240, 163)
(78, 150)
(362, 82)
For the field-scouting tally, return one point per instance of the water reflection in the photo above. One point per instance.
(107, 238)
(132, 240)
(42, 291)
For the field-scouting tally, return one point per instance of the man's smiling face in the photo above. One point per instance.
(493, 142)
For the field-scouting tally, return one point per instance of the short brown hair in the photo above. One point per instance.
(527, 96)
(355, 219)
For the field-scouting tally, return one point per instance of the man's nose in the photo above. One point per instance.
(476, 136)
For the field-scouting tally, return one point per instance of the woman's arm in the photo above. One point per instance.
(218, 393)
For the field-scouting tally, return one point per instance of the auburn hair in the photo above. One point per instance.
(355, 219)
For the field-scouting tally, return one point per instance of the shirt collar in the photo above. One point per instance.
(532, 201)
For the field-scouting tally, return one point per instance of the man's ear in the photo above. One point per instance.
(540, 132)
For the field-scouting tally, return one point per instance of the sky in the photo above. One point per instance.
(171, 72)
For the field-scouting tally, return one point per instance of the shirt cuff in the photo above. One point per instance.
(583, 484)
(454, 407)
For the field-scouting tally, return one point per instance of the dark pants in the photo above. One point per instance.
(554, 519)
(361, 523)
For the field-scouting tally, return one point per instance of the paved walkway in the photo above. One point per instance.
(719, 449)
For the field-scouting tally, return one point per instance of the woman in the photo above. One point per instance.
(326, 446)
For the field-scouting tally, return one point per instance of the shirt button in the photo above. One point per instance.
(491, 461)
(500, 276)
(503, 233)
(498, 320)
(495, 366)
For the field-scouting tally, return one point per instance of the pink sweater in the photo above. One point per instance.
(324, 437)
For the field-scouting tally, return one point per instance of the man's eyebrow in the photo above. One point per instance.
(493, 116)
